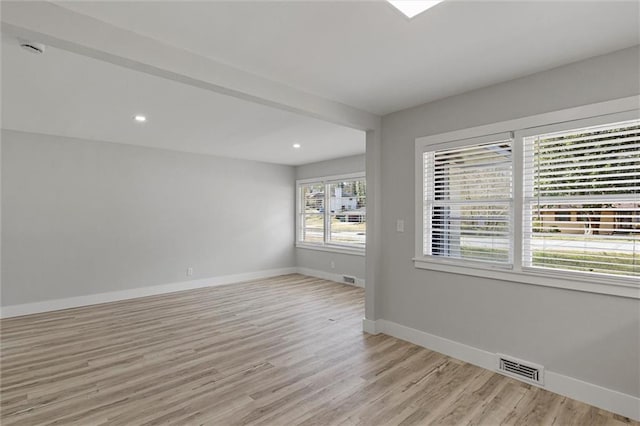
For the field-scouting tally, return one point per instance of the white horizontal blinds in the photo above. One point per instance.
(348, 220)
(312, 201)
(468, 202)
(582, 200)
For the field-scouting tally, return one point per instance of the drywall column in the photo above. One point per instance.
(374, 209)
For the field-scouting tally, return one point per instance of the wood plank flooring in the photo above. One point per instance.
(282, 351)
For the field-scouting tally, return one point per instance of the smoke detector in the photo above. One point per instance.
(32, 46)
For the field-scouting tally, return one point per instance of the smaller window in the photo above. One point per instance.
(468, 202)
(312, 213)
(332, 212)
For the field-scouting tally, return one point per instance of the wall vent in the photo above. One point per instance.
(519, 369)
(349, 280)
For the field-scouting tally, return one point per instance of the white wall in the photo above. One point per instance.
(345, 264)
(591, 337)
(82, 217)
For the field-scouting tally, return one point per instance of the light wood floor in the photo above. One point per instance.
(282, 351)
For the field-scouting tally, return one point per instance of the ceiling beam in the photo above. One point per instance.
(58, 27)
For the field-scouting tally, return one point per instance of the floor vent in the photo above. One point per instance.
(349, 280)
(520, 369)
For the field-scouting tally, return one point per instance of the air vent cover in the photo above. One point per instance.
(349, 280)
(519, 369)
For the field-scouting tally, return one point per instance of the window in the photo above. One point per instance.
(582, 188)
(312, 213)
(332, 213)
(551, 204)
(468, 202)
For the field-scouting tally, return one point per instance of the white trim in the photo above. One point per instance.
(134, 293)
(461, 143)
(598, 120)
(331, 178)
(369, 326)
(418, 207)
(598, 396)
(607, 399)
(577, 113)
(114, 296)
(564, 280)
(454, 349)
(617, 110)
(331, 248)
(330, 276)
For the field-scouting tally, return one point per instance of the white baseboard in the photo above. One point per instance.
(114, 296)
(598, 396)
(329, 276)
(93, 299)
(448, 347)
(369, 326)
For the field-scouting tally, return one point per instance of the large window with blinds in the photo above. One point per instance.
(332, 213)
(559, 200)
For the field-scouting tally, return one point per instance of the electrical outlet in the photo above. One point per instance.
(189, 271)
(400, 225)
(333, 265)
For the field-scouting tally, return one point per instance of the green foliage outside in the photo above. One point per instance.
(592, 262)
(565, 259)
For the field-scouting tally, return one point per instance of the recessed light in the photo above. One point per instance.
(31, 46)
(296, 145)
(140, 118)
(413, 8)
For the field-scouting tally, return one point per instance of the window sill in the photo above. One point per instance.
(623, 287)
(333, 249)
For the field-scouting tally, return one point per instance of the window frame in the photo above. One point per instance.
(584, 116)
(511, 201)
(326, 245)
(561, 127)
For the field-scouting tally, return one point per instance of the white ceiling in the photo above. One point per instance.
(360, 53)
(367, 55)
(65, 94)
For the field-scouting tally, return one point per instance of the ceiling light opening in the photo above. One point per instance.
(297, 145)
(412, 8)
(31, 46)
(140, 118)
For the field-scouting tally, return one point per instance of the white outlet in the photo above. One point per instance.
(189, 271)
(400, 225)
(333, 265)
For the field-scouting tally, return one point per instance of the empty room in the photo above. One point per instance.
(314, 212)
